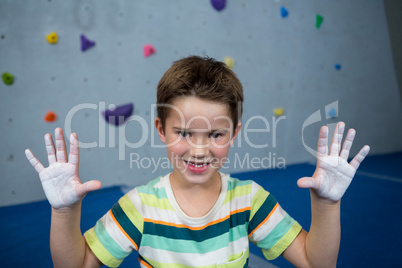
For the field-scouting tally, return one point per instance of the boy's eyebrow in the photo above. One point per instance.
(201, 130)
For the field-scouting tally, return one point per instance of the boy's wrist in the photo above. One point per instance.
(67, 210)
(323, 201)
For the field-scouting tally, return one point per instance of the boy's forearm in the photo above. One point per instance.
(323, 239)
(67, 244)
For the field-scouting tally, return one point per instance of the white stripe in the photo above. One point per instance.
(166, 215)
(254, 188)
(210, 258)
(379, 176)
(269, 225)
(116, 234)
(134, 196)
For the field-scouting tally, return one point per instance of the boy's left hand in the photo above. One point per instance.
(333, 173)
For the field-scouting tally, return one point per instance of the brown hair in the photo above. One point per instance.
(202, 77)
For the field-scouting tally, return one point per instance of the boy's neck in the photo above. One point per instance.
(196, 200)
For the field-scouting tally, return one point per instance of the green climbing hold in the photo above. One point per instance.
(318, 21)
(8, 79)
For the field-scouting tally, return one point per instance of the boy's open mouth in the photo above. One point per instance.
(196, 164)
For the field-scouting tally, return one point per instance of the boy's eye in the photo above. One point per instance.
(215, 135)
(184, 133)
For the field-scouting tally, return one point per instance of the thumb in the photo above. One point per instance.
(307, 182)
(89, 186)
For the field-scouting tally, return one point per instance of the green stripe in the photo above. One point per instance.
(154, 201)
(258, 200)
(132, 212)
(107, 241)
(242, 261)
(173, 265)
(126, 224)
(208, 232)
(99, 250)
(283, 243)
(262, 212)
(238, 191)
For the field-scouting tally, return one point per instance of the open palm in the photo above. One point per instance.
(60, 181)
(333, 173)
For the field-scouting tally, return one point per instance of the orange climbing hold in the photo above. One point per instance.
(50, 116)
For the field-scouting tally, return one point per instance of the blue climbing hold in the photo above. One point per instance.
(338, 66)
(86, 43)
(219, 5)
(284, 12)
(332, 113)
(118, 115)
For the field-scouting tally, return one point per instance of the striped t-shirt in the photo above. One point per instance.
(149, 220)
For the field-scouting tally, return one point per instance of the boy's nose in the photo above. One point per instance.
(199, 147)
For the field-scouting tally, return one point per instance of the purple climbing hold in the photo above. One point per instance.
(218, 4)
(86, 43)
(284, 12)
(119, 115)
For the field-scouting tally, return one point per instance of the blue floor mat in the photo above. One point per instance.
(370, 216)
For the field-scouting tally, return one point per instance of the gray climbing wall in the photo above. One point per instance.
(282, 62)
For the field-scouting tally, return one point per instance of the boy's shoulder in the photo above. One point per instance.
(243, 185)
(156, 187)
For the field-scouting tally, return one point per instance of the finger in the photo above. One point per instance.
(60, 145)
(347, 144)
(73, 157)
(88, 187)
(34, 161)
(337, 139)
(307, 182)
(323, 142)
(51, 151)
(358, 159)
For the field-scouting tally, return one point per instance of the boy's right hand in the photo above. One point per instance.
(60, 181)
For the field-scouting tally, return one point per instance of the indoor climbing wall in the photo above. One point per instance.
(92, 67)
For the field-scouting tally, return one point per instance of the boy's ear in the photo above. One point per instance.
(159, 128)
(236, 132)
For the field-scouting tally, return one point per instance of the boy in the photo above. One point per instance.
(197, 216)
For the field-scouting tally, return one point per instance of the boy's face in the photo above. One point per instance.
(197, 134)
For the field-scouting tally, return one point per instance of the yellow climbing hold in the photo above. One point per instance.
(230, 62)
(279, 111)
(52, 38)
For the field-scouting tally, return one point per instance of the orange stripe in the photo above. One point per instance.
(200, 227)
(144, 263)
(122, 230)
(269, 215)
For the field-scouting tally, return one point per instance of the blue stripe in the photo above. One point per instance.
(151, 190)
(236, 183)
(107, 241)
(277, 233)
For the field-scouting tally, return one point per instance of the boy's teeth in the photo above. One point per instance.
(197, 165)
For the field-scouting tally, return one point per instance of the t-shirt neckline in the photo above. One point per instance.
(203, 219)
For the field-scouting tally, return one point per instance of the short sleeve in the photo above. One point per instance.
(117, 233)
(270, 227)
